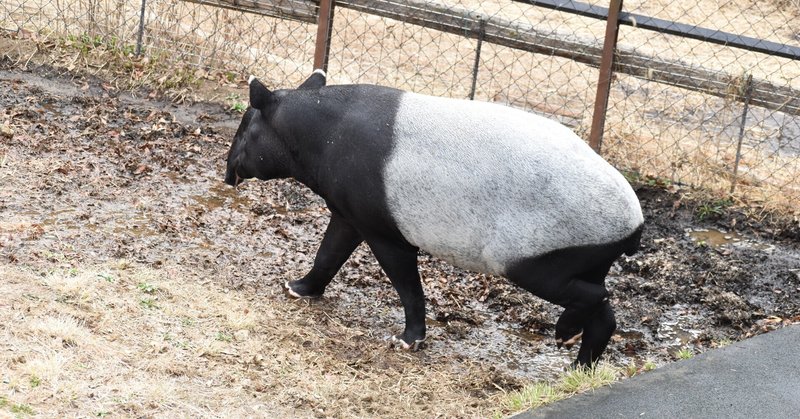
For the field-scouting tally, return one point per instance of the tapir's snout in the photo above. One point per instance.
(231, 177)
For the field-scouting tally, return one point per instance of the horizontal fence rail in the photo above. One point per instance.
(301, 10)
(673, 28)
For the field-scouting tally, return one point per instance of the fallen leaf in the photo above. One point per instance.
(6, 131)
(141, 169)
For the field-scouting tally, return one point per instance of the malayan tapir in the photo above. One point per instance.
(485, 187)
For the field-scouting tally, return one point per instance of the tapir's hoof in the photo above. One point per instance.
(294, 294)
(396, 342)
(569, 343)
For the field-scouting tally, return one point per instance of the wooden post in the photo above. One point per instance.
(606, 71)
(324, 27)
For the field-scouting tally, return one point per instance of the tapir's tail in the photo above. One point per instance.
(634, 240)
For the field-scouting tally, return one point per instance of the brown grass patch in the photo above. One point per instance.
(84, 343)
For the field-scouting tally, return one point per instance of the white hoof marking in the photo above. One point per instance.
(395, 341)
(290, 291)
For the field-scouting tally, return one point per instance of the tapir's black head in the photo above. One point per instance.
(258, 149)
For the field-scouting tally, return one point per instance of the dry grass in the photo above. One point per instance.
(84, 343)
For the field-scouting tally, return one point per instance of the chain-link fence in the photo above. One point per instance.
(680, 109)
(273, 38)
(720, 117)
(499, 51)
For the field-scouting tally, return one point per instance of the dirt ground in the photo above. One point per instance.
(135, 283)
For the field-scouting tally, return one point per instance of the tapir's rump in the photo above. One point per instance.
(484, 186)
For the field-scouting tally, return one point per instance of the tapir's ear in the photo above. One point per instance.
(315, 81)
(260, 96)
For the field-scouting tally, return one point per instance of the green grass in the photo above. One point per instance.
(684, 353)
(572, 382)
(22, 409)
(236, 103)
(632, 369)
(146, 288)
(714, 208)
(148, 303)
(106, 277)
(533, 396)
(637, 178)
(239, 107)
(17, 409)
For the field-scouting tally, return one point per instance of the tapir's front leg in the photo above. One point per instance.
(399, 261)
(339, 242)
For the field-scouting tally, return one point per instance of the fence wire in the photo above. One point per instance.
(715, 140)
(680, 109)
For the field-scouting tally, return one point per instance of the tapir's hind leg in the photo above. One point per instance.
(399, 262)
(583, 294)
(574, 279)
(597, 331)
(597, 320)
(339, 242)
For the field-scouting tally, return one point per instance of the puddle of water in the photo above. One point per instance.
(713, 237)
(434, 323)
(675, 327)
(218, 195)
(630, 334)
(717, 238)
(525, 335)
(523, 354)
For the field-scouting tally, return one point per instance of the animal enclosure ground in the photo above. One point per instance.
(135, 282)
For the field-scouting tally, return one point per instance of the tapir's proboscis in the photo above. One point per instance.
(486, 187)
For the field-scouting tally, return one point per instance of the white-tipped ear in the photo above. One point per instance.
(315, 81)
(250, 79)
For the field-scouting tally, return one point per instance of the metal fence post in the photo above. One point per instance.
(481, 35)
(606, 71)
(141, 30)
(748, 92)
(324, 27)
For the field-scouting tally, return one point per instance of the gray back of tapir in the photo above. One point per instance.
(485, 187)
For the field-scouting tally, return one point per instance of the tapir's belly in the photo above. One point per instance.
(483, 186)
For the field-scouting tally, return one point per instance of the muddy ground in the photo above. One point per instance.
(91, 176)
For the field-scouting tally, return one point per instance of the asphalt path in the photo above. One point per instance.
(757, 378)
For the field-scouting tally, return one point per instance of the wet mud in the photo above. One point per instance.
(91, 175)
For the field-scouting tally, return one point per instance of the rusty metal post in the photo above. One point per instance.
(324, 27)
(748, 93)
(606, 71)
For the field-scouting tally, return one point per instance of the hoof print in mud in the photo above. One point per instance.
(485, 187)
